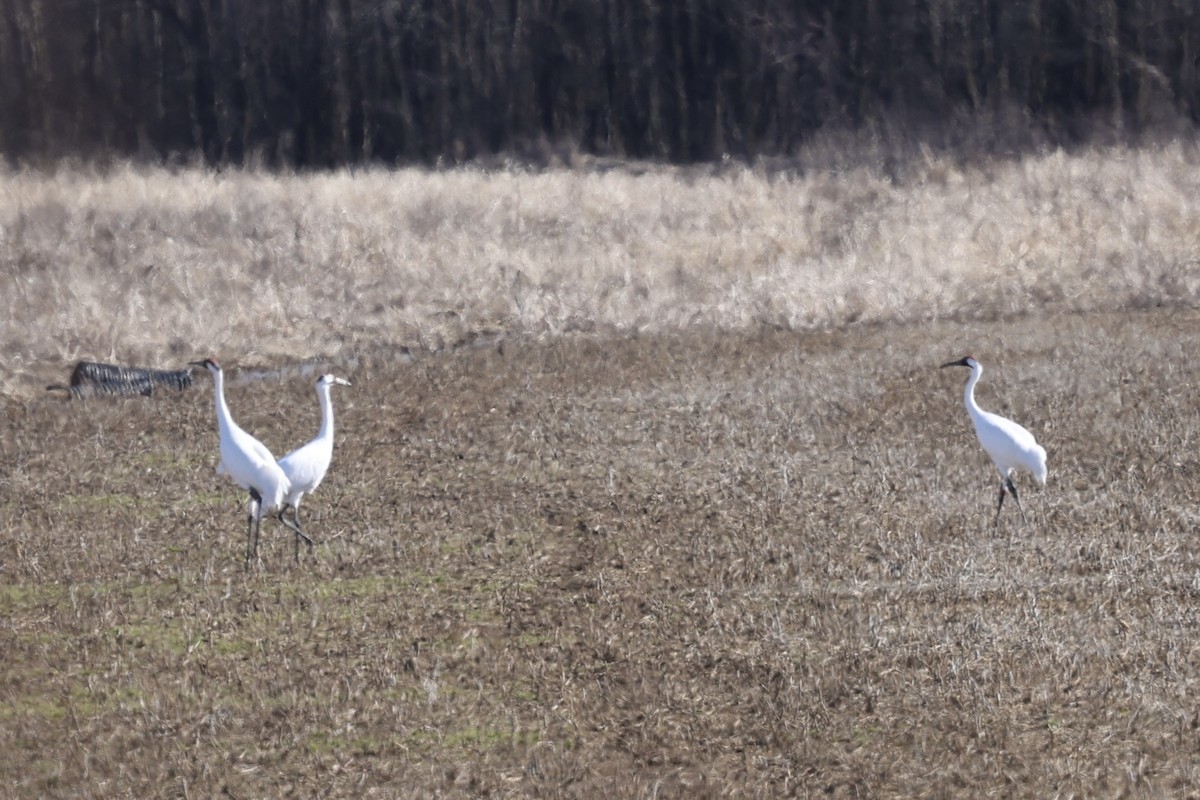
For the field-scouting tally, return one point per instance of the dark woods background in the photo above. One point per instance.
(311, 83)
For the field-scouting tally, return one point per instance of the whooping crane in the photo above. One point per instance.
(249, 463)
(1010, 445)
(306, 466)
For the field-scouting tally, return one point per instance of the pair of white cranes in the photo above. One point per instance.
(278, 485)
(273, 485)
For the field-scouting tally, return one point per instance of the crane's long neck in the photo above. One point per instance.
(224, 419)
(326, 431)
(969, 393)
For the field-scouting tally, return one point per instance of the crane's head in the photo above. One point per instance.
(965, 361)
(209, 364)
(330, 380)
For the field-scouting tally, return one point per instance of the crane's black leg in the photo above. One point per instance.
(251, 535)
(999, 504)
(296, 512)
(257, 531)
(295, 526)
(1012, 487)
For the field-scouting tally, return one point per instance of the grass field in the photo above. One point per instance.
(694, 543)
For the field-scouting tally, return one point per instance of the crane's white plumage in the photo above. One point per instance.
(1010, 446)
(306, 466)
(248, 462)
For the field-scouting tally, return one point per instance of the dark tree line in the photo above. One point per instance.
(329, 82)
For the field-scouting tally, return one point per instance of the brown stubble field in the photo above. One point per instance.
(690, 565)
(648, 483)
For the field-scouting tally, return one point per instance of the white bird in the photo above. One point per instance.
(249, 463)
(1010, 445)
(306, 466)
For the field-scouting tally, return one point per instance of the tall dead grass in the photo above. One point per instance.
(153, 266)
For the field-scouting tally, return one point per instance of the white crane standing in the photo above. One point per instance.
(249, 463)
(306, 466)
(1010, 445)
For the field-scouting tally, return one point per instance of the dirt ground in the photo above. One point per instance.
(692, 565)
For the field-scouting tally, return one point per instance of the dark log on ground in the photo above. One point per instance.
(90, 378)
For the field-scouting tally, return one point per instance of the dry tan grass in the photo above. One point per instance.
(149, 266)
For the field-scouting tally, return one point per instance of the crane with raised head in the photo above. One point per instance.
(1010, 446)
(249, 463)
(306, 466)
